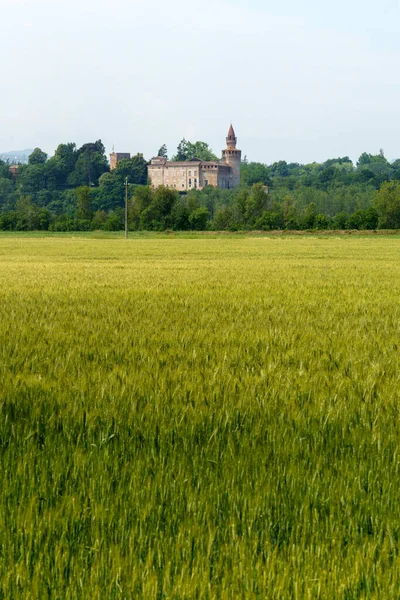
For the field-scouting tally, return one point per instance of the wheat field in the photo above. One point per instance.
(206, 418)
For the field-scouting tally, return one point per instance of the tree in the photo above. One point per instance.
(110, 193)
(309, 216)
(83, 202)
(198, 219)
(32, 178)
(38, 157)
(113, 222)
(163, 152)
(364, 159)
(280, 168)
(200, 150)
(188, 150)
(135, 169)
(256, 203)
(67, 155)
(254, 172)
(5, 170)
(387, 205)
(288, 210)
(240, 208)
(27, 214)
(99, 219)
(60, 166)
(6, 187)
(181, 151)
(180, 215)
(157, 216)
(91, 163)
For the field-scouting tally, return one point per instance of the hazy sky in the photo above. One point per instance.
(300, 81)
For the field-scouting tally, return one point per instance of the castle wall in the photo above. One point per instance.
(181, 176)
(225, 177)
(209, 174)
(233, 158)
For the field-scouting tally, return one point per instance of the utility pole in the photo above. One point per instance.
(126, 208)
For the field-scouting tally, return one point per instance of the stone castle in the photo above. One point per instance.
(195, 173)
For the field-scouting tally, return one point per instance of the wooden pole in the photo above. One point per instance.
(126, 208)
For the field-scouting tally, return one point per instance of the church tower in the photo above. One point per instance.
(232, 157)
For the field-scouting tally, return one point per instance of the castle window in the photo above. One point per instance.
(190, 183)
(190, 172)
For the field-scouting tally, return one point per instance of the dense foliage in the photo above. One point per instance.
(75, 190)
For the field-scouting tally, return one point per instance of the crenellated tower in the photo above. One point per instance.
(232, 157)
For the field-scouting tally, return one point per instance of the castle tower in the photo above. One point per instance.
(232, 157)
(115, 157)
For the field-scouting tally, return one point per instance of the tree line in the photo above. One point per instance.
(74, 190)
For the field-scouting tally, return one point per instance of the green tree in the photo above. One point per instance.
(163, 151)
(387, 205)
(83, 202)
(280, 168)
(180, 215)
(113, 222)
(181, 151)
(187, 150)
(198, 219)
(257, 203)
(6, 188)
(224, 219)
(99, 219)
(91, 163)
(288, 211)
(60, 166)
(32, 178)
(27, 213)
(200, 150)
(157, 216)
(254, 172)
(110, 193)
(309, 215)
(37, 157)
(135, 169)
(5, 170)
(340, 220)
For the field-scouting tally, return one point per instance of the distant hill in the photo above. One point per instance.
(16, 156)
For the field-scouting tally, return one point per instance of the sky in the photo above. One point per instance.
(300, 81)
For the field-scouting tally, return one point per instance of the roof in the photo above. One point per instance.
(186, 163)
(231, 132)
(194, 162)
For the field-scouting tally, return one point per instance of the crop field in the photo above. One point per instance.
(211, 418)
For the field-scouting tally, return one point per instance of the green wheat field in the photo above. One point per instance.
(206, 418)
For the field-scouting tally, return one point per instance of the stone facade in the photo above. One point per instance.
(197, 174)
(115, 157)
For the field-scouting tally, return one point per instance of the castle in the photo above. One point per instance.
(195, 173)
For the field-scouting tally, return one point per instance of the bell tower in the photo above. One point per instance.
(232, 157)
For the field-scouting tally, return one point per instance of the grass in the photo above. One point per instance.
(199, 418)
